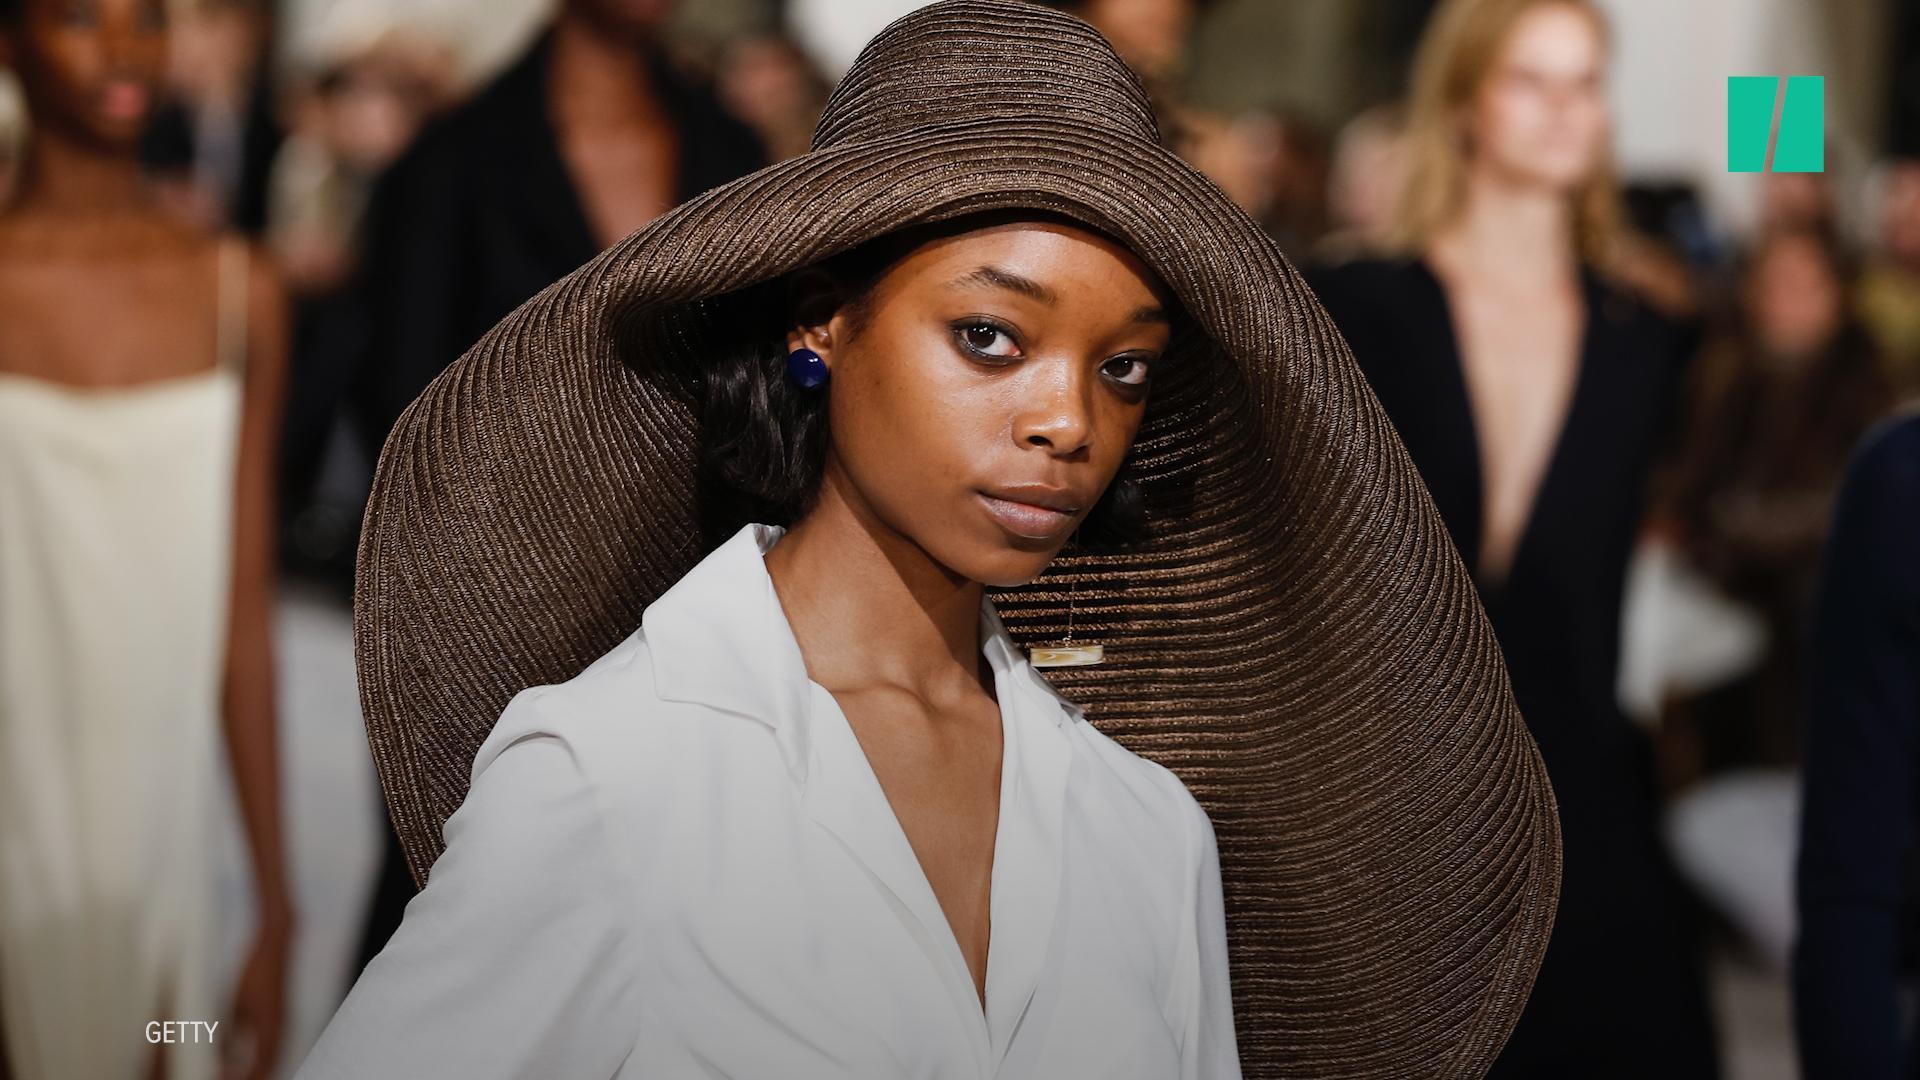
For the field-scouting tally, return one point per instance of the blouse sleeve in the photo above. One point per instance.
(514, 960)
(1203, 997)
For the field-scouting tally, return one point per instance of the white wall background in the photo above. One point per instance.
(1671, 63)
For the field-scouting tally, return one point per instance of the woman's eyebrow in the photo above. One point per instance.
(994, 277)
(997, 278)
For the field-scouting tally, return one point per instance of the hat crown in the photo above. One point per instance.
(968, 61)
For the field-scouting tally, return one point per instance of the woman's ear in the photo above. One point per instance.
(814, 297)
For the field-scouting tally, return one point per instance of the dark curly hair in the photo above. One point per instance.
(764, 440)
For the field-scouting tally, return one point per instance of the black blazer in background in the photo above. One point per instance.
(1861, 759)
(480, 214)
(1621, 991)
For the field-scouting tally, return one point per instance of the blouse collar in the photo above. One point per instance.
(719, 638)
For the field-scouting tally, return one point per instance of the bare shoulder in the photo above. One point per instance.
(266, 286)
(59, 271)
(266, 303)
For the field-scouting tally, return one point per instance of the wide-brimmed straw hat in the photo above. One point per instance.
(1296, 637)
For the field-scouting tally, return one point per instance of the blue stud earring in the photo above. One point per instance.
(806, 369)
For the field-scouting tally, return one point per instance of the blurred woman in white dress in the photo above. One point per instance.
(140, 376)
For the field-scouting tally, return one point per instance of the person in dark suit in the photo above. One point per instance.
(1862, 733)
(588, 136)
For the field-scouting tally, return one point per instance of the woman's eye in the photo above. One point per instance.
(1524, 82)
(1128, 370)
(987, 339)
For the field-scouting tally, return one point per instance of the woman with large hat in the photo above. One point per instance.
(760, 528)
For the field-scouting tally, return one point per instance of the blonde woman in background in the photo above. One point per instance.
(1532, 388)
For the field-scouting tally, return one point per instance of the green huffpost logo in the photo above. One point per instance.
(1784, 116)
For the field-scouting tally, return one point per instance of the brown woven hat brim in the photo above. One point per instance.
(1298, 639)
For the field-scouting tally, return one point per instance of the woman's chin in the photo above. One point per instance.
(1005, 566)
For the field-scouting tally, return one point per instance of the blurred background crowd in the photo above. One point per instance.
(1632, 379)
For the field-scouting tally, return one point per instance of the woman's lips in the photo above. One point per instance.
(124, 100)
(1026, 519)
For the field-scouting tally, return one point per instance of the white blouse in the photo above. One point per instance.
(680, 864)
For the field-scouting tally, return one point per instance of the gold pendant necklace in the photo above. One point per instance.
(1066, 653)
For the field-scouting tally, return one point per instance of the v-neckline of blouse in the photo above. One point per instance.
(1573, 415)
(1027, 862)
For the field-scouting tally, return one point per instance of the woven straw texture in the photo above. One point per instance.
(1298, 640)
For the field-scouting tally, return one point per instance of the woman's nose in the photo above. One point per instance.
(1054, 411)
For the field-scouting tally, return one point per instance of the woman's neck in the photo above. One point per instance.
(870, 608)
(1510, 229)
(594, 77)
(64, 176)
